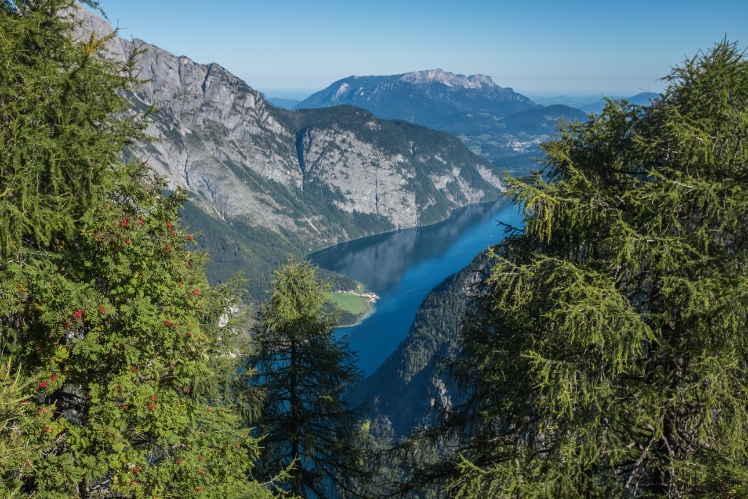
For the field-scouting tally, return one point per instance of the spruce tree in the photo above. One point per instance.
(305, 373)
(605, 355)
(121, 346)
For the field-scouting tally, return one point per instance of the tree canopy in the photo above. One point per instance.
(305, 373)
(115, 354)
(605, 355)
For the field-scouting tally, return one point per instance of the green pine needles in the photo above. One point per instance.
(116, 357)
(606, 353)
(305, 374)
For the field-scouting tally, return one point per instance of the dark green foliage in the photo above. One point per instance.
(123, 351)
(605, 356)
(305, 374)
(58, 134)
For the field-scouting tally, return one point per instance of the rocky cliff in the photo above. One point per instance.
(313, 178)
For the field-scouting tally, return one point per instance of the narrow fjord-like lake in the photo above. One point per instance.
(402, 267)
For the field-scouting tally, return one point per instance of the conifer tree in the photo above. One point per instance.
(606, 354)
(305, 373)
(120, 343)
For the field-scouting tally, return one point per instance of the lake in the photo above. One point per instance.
(403, 266)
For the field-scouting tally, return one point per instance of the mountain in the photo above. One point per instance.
(405, 386)
(423, 97)
(641, 99)
(487, 117)
(265, 182)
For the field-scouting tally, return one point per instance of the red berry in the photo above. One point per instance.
(202, 458)
(198, 489)
(141, 221)
(134, 368)
(78, 314)
(65, 324)
(151, 406)
(102, 309)
(53, 377)
(168, 247)
(178, 461)
(190, 237)
(180, 283)
(238, 446)
(197, 291)
(43, 385)
(208, 408)
(47, 429)
(154, 398)
(168, 322)
(127, 241)
(168, 225)
(123, 223)
(137, 469)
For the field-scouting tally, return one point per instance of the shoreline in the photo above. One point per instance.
(369, 312)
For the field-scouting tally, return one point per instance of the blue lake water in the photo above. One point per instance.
(402, 267)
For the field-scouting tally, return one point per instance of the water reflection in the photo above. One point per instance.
(402, 267)
(381, 261)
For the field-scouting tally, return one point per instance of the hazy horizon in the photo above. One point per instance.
(290, 47)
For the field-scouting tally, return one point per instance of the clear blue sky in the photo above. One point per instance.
(537, 47)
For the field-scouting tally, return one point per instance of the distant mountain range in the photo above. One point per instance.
(493, 121)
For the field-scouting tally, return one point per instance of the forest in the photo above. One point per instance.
(599, 352)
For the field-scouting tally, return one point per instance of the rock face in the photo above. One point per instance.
(319, 176)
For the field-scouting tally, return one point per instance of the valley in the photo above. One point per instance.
(409, 284)
(402, 267)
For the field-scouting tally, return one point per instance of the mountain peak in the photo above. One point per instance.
(450, 79)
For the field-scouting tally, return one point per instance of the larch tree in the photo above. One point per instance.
(606, 354)
(113, 348)
(305, 373)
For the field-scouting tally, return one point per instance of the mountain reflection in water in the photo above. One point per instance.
(403, 266)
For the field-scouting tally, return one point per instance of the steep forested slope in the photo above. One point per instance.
(403, 387)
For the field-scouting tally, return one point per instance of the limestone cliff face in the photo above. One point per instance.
(243, 159)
